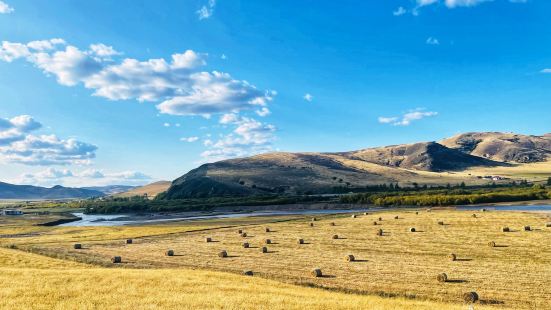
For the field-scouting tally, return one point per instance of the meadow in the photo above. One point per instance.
(400, 265)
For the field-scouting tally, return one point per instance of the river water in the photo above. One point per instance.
(123, 219)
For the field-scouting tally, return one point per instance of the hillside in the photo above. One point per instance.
(111, 189)
(151, 190)
(454, 160)
(11, 191)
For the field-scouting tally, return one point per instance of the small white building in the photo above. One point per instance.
(12, 212)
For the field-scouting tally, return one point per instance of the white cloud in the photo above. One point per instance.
(224, 57)
(19, 145)
(263, 112)
(308, 97)
(399, 11)
(89, 177)
(546, 70)
(206, 10)
(189, 139)
(407, 118)
(451, 4)
(5, 8)
(432, 41)
(166, 124)
(249, 137)
(178, 86)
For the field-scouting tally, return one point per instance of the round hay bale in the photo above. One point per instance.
(335, 237)
(492, 244)
(396, 217)
(264, 249)
(223, 254)
(474, 215)
(366, 213)
(440, 223)
(116, 259)
(375, 223)
(379, 232)
(248, 273)
(353, 216)
(442, 277)
(483, 210)
(548, 224)
(412, 229)
(380, 219)
(505, 229)
(268, 241)
(129, 241)
(316, 273)
(314, 219)
(208, 239)
(470, 297)
(527, 228)
(416, 212)
(453, 257)
(311, 224)
(300, 241)
(267, 229)
(246, 245)
(332, 224)
(349, 258)
(169, 253)
(244, 235)
(240, 231)
(77, 246)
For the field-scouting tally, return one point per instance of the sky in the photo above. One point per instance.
(131, 92)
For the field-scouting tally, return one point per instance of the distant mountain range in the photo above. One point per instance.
(111, 189)
(465, 158)
(28, 192)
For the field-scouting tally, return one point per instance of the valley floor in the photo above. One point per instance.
(400, 264)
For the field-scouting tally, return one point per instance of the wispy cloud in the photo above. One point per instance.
(407, 118)
(189, 139)
(547, 70)
(5, 8)
(206, 10)
(451, 4)
(88, 177)
(399, 11)
(308, 97)
(432, 41)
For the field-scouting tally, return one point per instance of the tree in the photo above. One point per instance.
(549, 181)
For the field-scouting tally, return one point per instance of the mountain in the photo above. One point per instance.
(111, 189)
(453, 160)
(151, 190)
(28, 192)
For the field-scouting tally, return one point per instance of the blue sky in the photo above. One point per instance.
(103, 92)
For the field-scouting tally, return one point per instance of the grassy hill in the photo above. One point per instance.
(151, 190)
(464, 158)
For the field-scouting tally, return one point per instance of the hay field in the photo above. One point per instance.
(32, 281)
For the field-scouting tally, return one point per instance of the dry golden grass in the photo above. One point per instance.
(515, 274)
(151, 190)
(31, 281)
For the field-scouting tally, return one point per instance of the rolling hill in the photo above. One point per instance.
(28, 192)
(111, 189)
(453, 160)
(151, 190)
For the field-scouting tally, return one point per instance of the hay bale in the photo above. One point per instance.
(316, 273)
(492, 244)
(379, 232)
(246, 245)
(396, 217)
(300, 241)
(440, 223)
(311, 224)
(453, 257)
(268, 241)
(548, 224)
(374, 223)
(505, 229)
(412, 229)
(267, 230)
(527, 228)
(77, 246)
(365, 213)
(264, 249)
(116, 259)
(244, 235)
(353, 216)
(248, 273)
(240, 231)
(474, 215)
(169, 253)
(349, 258)
(335, 237)
(380, 219)
(470, 297)
(208, 239)
(223, 254)
(483, 210)
(314, 219)
(442, 277)
(128, 241)
(416, 212)
(332, 224)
